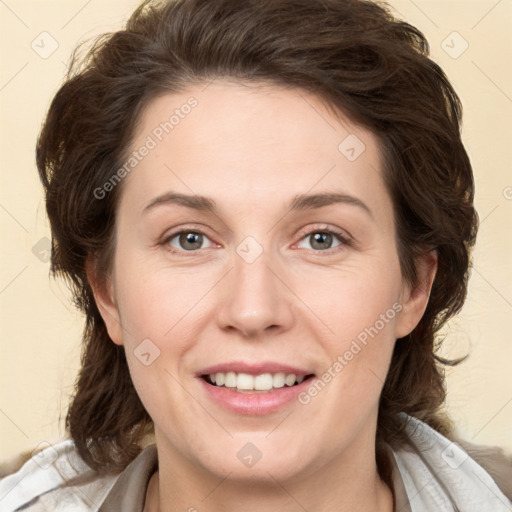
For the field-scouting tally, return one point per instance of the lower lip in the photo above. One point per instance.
(254, 404)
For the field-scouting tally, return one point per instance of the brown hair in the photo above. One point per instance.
(354, 55)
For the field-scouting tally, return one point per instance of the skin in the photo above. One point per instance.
(253, 149)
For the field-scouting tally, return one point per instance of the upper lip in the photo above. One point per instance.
(253, 368)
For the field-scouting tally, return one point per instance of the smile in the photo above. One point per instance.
(253, 389)
(246, 383)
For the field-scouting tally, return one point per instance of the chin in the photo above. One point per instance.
(259, 459)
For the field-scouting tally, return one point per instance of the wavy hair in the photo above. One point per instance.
(355, 56)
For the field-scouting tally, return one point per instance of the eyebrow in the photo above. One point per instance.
(299, 203)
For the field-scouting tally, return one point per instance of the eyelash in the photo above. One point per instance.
(344, 240)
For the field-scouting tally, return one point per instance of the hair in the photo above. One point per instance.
(352, 54)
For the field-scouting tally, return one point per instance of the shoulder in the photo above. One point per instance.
(55, 479)
(495, 460)
(436, 470)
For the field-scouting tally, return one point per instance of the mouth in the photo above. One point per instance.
(255, 384)
(253, 389)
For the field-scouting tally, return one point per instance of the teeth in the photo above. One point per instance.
(278, 380)
(290, 380)
(262, 382)
(230, 381)
(246, 382)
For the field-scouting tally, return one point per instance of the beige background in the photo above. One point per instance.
(40, 344)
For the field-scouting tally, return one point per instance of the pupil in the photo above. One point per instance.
(321, 238)
(194, 239)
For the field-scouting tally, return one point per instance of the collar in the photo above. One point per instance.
(432, 474)
(129, 492)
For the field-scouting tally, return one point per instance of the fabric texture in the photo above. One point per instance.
(432, 474)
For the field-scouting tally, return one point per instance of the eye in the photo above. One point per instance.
(187, 240)
(320, 240)
(323, 239)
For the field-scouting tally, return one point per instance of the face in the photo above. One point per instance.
(255, 248)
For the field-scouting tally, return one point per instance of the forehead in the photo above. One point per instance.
(264, 142)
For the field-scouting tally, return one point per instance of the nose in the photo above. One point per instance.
(255, 299)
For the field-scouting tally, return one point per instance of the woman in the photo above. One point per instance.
(266, 213)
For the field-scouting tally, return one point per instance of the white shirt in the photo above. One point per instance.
(433, 475)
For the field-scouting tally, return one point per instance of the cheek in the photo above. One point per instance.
(351, 302)
(157, 303)
(360, 310)
(158, 318)
(162, 312)
(348, 389)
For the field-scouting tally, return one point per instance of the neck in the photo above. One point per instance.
(338, 486)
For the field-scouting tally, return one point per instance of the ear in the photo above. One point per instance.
(103, 291)
(414, 301)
